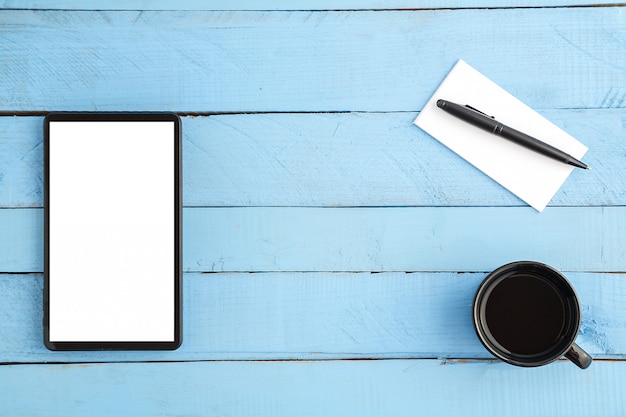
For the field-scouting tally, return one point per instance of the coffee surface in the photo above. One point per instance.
(525, 314)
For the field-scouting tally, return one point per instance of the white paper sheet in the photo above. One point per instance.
(531, 176)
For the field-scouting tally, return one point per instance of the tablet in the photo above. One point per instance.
(112, 231)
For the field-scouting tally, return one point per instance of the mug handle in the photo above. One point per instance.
(578, 356)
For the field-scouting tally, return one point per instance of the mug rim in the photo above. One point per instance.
(533, 268)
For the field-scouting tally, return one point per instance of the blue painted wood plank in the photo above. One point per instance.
(311, 316)
(304, 61)
(21, 161)
(363, 388)
(338, 159)
(280, 4)
(373, 159)
(401, 239)
(368, 239)
(21, 240)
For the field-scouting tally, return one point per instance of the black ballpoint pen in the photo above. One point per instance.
(481, 120)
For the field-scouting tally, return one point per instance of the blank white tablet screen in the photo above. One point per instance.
(111, 231)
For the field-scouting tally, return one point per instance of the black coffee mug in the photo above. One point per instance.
(527, 314)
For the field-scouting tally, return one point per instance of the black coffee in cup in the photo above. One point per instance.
(527, 314)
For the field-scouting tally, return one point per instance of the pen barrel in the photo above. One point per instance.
(482, 121)
(531, 143)
(469, 116)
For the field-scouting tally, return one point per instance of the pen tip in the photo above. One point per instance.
(577, 163)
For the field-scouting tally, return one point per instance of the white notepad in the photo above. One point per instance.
(531, 176)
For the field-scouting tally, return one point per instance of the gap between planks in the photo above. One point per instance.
(444, 361)
(320, 10)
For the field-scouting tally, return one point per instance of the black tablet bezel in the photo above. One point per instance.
(121, 345)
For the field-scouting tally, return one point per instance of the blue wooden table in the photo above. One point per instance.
(331, 248)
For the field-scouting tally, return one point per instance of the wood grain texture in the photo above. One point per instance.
(401, 239)
(407, 239)
(334, 159)
(21, 240)
(305, 61)
(280, 4)
(318, 316)
(363, 388)
(320, 171)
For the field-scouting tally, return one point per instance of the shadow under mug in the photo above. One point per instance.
(527, 314)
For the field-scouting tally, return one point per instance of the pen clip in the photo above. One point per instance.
(478, 111)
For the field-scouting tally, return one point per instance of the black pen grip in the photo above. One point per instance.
(531, 143)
